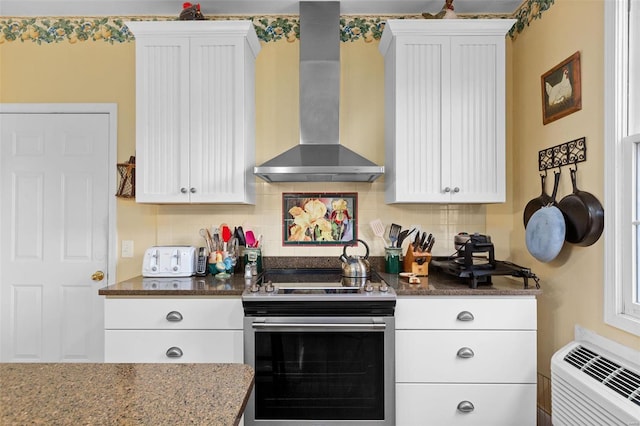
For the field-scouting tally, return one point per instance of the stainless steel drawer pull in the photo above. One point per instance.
(174, 316)
(465, 353)
(465, 316)
(174, 352)
(372, 326)
(465, 407)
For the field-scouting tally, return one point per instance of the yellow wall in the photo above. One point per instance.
(572, 283)
(101, 72)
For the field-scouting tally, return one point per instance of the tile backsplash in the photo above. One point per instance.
(180, 224)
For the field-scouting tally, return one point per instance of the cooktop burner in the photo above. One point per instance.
(317, 291)
(311, 277)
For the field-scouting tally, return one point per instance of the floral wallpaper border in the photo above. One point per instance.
(46, 30)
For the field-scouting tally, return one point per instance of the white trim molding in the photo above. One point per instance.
(620, 255)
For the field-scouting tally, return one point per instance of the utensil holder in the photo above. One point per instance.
(417, 262)
(392, 257)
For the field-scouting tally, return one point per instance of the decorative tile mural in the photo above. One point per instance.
(45, 30)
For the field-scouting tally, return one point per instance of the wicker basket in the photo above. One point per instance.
(127, 179)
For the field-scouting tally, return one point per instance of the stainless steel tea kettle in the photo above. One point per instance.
(355, 266)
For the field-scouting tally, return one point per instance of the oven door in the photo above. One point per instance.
(321, 370)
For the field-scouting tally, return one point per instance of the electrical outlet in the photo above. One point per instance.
(127, 248)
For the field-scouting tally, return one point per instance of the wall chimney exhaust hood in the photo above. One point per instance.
(319, 157)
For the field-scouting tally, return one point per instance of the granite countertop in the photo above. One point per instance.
(189, 286)
(125, 394)
(436, 284)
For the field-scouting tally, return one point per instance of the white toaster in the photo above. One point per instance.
(169, 261)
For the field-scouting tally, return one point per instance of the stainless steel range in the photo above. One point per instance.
(323, 349)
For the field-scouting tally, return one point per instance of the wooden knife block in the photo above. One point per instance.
(417, 262)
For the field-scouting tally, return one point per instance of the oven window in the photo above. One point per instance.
(319, 375)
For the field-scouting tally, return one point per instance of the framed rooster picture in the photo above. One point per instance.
(561, 89)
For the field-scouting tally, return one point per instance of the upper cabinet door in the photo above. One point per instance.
(162, 119)
(477, 119)
(197, 96)
(444, 111)
(219, 120)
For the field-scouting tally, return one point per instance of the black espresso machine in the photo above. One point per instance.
(474, 262)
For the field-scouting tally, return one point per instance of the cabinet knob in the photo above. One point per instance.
(192, 190)
(465, 316)
(465, 407)
(174, 352)
(447, 189)
(465, 353)
(456, 189)
(174, 316)
(183, 190)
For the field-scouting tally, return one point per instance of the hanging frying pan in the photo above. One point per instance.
(584, 215)
(542, 200)
(545, 231)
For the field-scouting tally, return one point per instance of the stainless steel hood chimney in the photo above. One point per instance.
(319, 157)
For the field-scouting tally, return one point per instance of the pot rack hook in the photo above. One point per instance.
(565, 154)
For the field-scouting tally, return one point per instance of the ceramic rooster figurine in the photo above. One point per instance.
(191, 12)
(446, 12)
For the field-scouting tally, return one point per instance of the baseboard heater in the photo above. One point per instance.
(592, 386)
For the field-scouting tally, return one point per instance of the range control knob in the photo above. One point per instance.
(368, 287)
(384, 287)
(254, 288)
(269, 288)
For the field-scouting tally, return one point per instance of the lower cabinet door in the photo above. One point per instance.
(424, 404)
(158, 346)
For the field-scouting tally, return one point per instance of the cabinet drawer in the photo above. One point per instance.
(492, 356)
(174, 313)
(493, 405)
(152, 346)
(472, 313)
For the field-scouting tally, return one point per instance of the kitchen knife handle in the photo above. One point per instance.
(465, 316)
(174, 316)
(465, 353)
(465, 407)
(174, 352)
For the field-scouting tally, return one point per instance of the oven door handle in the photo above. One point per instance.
(271, 325)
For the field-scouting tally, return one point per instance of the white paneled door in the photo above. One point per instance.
(54, 235)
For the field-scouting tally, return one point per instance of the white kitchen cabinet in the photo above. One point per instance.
(445, 110)
(466, 360)
(195, 111)
(424, 404)
(178, 329)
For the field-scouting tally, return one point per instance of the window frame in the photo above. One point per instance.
(620, 255)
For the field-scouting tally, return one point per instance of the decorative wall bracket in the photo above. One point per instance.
(567, 153)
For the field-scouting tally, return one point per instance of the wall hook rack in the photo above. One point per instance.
(572, 152)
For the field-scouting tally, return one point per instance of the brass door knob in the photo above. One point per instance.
(97, 276)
